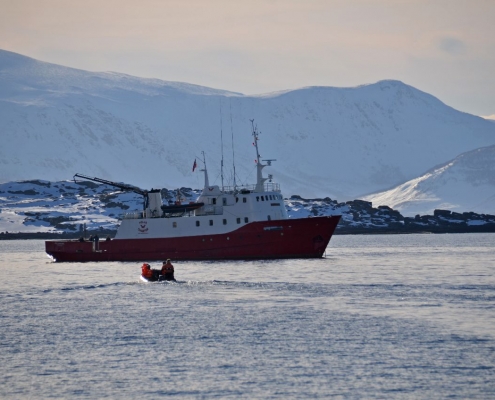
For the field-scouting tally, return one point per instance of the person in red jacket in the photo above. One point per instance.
(167, 272)
(147, 272)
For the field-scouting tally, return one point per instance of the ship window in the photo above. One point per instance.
(236, 199)
(225, 222)
(238, 220)
(244, 200)
(197, 223)
(246, 220)
(214, 201)
(257, 198)
(269, 218)
(211, 222)
(174, 224)
(271, 197)
(262, 198)
(224, 201)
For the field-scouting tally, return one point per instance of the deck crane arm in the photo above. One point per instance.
(121, 186)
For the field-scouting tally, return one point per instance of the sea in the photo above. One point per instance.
(379, 317)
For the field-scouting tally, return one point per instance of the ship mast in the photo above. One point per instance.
(221, 143)
(207, 182)
(260, 187)
(232, 132)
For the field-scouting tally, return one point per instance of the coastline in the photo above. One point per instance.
(341, 230)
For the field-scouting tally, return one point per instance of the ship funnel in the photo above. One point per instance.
(154, 203)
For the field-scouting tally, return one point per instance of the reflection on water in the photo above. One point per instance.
(379, 317)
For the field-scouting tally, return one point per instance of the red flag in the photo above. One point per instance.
(194, 165)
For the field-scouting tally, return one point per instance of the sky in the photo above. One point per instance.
(443, 47)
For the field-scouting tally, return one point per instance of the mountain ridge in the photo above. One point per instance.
(339, 142)
(465, 182)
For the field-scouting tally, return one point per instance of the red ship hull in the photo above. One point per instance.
(290, 238)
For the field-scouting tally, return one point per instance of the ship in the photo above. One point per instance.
(224, 223)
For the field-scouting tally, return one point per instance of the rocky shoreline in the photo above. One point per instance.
(54, 210)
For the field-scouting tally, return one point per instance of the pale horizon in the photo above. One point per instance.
(445, 48)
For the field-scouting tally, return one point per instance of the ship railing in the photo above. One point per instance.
(205, 210)
(268, 187)
(134, 215)
(272, 187)
(209, 209)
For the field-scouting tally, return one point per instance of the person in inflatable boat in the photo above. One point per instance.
(167, 272)
(148, 273)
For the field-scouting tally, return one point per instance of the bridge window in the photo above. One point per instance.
(257, 198)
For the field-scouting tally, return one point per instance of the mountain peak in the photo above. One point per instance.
(27, 71)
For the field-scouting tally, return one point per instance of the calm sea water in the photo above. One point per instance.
(392, 316)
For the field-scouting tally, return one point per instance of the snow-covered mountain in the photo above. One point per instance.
(337, 142)
(466, 183)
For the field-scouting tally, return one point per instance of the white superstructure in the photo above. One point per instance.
(224, 209)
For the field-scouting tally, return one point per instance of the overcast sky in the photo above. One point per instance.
(443, 47)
